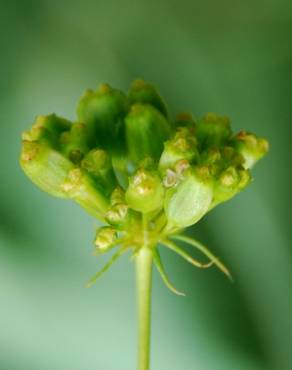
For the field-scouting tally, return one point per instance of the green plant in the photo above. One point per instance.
(144, 176)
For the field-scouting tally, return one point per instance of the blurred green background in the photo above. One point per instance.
(231, 57)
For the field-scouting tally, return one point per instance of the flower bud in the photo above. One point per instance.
(188, 202)
(145, 192)
(117, 196)
(98, 165)
(213, 130)
(146, 131)
(251, 147)
(46, 167)
(117, 215)
(80, 187)
(55, 124)
(103, 112)
(185, 119)
(74, 143)
(231, 182)
(182, 146)
(47, 129)
(143, 92)
(105, 239)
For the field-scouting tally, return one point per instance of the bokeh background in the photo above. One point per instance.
(231, 57)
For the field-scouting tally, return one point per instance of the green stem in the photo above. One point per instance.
(144, 280)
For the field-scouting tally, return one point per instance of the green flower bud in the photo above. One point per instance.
(213, 130)
(103, 112)
(105, 239)
(146, 131)
(143, 92)
(46, 167)
(212, 158)
(56, 125)
(117, 215)
(251, 147)
(145, 192)
(188, 202)
(98, 165)
(117, 196)
(74, 143)
(230, 183)
(80, 187)
(47, 129)
(185, 119)
(40, 158)
(182, 146)
(230, 157)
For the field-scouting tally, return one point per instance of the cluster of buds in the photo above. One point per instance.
(125, 161)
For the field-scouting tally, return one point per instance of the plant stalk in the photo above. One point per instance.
(144, 281)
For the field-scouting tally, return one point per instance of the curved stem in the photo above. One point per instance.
(144, 280)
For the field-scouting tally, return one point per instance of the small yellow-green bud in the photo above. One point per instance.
(46, 167)
(187, 203)
(231, 182)
(80, 187)
(212, 158)
(117, 215)
(213, 130)
(47, 129)
(74, 143)
(146, 131)
(117, 196)
(251, 147)
(105, 239)
(143, 92)
(99, 166)
(145, 192)
(183, 146)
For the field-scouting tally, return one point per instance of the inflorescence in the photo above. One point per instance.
(144, 176)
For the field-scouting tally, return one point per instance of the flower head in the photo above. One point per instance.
(125, 160)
